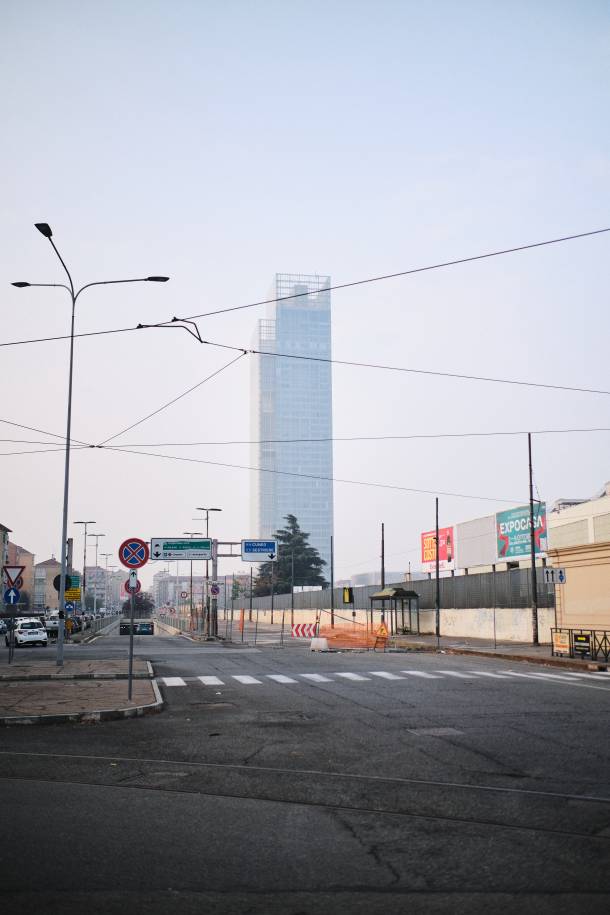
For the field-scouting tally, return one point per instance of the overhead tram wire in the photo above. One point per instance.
(9, 422)
(374, 279)
(360, 438)
(56, 450)
(173, 401)
(312, 476)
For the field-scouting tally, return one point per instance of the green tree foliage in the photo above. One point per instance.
(143, 606)
(308, 564)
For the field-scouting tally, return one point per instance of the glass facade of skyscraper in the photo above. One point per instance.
(292, 399)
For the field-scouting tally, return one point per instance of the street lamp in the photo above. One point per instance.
(207, 566)
(105, 556)
(97, 538)
(192, 534)
(83, 602)
(45, 229)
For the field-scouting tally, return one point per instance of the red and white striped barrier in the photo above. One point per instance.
(304, 630)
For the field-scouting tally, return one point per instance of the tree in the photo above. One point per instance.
(292, 543)
(143, 605)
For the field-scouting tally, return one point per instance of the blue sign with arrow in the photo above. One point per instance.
(258, 550)
(11, 596)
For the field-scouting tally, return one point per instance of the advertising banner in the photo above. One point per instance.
(513, 532)
(446, 552)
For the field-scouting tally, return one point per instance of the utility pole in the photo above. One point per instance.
(533, 547)
(84, 579)
(332, 582)
(292, 588)
(382, 556)
(437, 602)
(95, 580)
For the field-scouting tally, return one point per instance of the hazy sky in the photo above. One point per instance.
(222, 142)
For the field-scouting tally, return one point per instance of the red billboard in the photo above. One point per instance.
(446, 550)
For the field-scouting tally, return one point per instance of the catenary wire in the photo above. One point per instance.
(412, 371)
(174, 400)
(360, 438)
(375, 279)
(9, 422)
(312, 476)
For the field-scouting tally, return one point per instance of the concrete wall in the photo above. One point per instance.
(583, 602)
(512, 624)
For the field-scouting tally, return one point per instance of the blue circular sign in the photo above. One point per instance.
(69, 607)
(11, 596)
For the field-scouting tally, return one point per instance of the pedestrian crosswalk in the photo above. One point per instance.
(370, 676)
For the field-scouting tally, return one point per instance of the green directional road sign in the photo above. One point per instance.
(168, 548)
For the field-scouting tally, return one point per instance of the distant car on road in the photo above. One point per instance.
(29, 632)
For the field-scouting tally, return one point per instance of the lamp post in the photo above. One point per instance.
(207, 566)
(97, 538)
(45, 229)
(192, 534)
(83, 602)
(105, 556)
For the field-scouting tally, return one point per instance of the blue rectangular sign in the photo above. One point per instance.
(259, 550)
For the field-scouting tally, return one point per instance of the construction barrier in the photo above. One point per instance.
(304, 630)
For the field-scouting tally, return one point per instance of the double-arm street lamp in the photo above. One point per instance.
(97, 540)
(192, 534)
(83, 594)
(45, 229)
(207, 565)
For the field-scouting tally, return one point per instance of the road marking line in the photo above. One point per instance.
(553, 677)
(422, 673)
(513, 673)
(352, 676)
(485, 673)
(317, 678)
(248, 681)
(384, 675)
(455, 673)
(280, 678)
(211, 681)
(174, 681)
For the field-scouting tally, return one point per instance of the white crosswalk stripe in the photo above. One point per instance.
(316, 678)
(280, 678)
(351, 676)
(423, 674)
(174, 681)
(456, 673)
(384, 675)
(486, 673)
(514, 673)
(211, 681)
(248, 681)
(546, 676)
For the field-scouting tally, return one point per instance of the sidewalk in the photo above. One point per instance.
(511, 651)
(42, 693)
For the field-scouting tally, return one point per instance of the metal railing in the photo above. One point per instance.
(581, 643)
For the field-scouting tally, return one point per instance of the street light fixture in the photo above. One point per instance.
(207, 566)
(45, 229)
(192, 534)
(97, 538)
(84, 580)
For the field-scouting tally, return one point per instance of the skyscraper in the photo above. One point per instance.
(292, 399)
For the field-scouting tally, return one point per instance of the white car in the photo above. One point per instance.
(29, 632)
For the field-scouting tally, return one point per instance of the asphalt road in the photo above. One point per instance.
(287, 781)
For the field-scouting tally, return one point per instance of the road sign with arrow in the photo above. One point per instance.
(259, 550)
(11, 596)
(168, 548)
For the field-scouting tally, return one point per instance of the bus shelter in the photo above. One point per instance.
(399, 607)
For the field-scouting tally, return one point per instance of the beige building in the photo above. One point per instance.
(583, 601)
(577, 521)
(45, 594)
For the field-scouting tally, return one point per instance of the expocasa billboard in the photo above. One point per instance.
(513, 531)
(446, 551)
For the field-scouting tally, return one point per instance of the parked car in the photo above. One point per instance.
(3, 627)
(28, 632)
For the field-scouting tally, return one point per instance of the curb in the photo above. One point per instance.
(550, 661)
(97, 715)
(61, 678)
